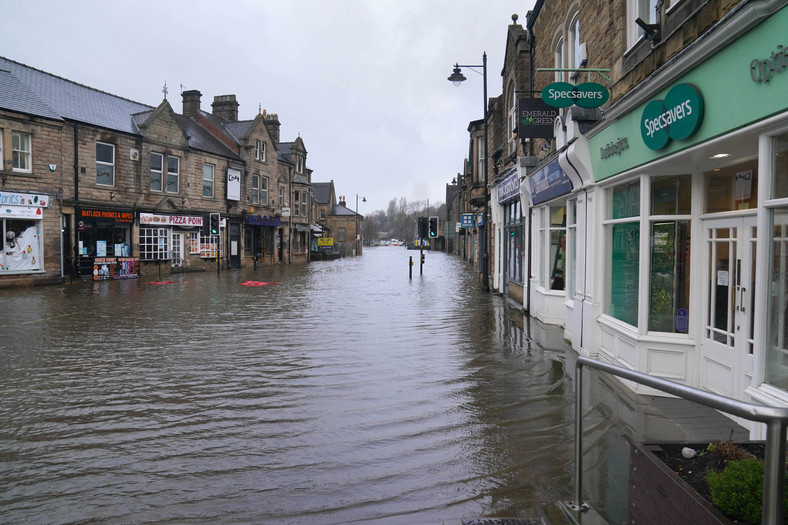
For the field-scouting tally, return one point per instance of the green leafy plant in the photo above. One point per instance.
(738, 489)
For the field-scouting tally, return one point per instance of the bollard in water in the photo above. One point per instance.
(410, 264)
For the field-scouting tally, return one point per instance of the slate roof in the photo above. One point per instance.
(35, 92)
(321, 191)
(338, 209)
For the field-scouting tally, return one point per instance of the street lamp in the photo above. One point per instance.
(457, 78)
(358, 237)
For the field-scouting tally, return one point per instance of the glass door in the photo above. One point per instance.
(727, 339)
(177, 250)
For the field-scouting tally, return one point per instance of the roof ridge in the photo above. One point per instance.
(73, 82)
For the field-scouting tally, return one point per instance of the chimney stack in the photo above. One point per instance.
(226, 107)
(273, 124)
(191, 103)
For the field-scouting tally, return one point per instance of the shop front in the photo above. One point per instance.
(694, 199)
(22, 223)
(104, 236)
(175, 242)
(260, 239)
(552, 221)
(510, 255)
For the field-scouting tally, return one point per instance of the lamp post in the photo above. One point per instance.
(457, 78)
(359, 237)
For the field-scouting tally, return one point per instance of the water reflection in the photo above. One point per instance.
(343, 393)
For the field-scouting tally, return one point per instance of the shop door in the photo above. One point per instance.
(177, 250)
(727, 339)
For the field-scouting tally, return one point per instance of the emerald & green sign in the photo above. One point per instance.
(677, 117)
(585, 95)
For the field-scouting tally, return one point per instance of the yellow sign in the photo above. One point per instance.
(325, 241)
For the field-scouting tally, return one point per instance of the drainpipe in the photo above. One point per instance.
(77, 208)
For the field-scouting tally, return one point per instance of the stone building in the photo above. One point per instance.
(97, 186)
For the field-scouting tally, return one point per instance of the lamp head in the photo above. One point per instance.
(457, 77)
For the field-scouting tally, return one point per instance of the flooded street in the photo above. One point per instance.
(340, 392)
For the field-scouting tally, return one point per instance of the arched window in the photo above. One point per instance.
(575, 58)
(559, 59)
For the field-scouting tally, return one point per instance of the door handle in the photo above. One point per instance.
(741, 298)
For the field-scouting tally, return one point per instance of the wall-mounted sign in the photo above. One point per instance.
(233, 184)
(761, 70)
(535, 118)
(24, 199)
(677, 117)
(585, 95)
(466, 220)
(509, 187)
(614, 148)
(548, 183)
(170, 220)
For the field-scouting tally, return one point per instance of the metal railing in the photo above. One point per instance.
(776, 420)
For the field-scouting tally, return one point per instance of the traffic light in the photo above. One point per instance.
(213, 224)
(422, 227)
(433, 226)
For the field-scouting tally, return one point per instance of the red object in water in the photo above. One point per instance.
(254, 283)
(161, 282)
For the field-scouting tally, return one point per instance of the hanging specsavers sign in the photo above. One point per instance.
(585, 95)
(677, 117)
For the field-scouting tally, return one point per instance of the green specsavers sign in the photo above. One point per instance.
(585, 95)
(677, 117)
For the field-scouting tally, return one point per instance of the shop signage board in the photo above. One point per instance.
(677, 117)
(233, 184)
(509, 187)
(108, 268)
(107, 216)
(8, 198)
(325, 241)
(585, 95)
(258, 220)
(535, 119)
(548, 183)
(170, 220)
(466, 220)
(744, 97)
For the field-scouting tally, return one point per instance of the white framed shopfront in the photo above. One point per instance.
(704, 321)
(22, 226)
(174, 238)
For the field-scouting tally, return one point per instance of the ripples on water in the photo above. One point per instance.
(345, 393)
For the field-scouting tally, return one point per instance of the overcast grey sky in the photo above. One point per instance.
(363, 82)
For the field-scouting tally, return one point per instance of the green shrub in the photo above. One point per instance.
(738, 490)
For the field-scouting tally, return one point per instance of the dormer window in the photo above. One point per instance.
(299, 164)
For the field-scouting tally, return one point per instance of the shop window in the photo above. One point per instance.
(552, 240)
(22, 249)
(156, 167)
(255, 189)
(105, 164)
(622, 229)
(777, 338)
(173, 174)
(194, 243)
(155, 244)
(207, 180)
(209, 246)
(21, 151)
(669, 278)
(514, 242)
(732, 188)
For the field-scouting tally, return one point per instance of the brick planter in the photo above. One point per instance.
(658, 496)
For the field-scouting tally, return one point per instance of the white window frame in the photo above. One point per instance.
(512, 119)
(573, 57)
(25, 154)
(645, 9)
(111, 165)
(194, 243)
(257, 149)
(208, 180)
(262, 151)
(175, 175)
(281, 196)
(480, 175)
(255, 189)
(296, 202)
(155, 244)
(264, 191)
(299, 164)
(2, 159)
(558, 55)
(160, 172)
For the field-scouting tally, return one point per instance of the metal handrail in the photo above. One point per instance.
(776, 420)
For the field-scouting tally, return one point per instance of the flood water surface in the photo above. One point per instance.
(338, 392)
